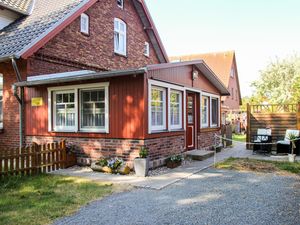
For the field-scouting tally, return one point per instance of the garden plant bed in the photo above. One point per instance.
(42, 199)
(262, 166)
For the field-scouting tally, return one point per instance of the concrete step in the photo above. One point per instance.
(199, 155)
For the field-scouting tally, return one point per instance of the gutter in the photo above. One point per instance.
(19, 95)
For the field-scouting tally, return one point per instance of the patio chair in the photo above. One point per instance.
(285, 146)
(262, 137)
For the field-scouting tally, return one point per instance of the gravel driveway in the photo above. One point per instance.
(210, 197)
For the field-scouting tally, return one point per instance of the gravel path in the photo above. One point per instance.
(210, 197)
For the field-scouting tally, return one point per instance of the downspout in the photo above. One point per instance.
(20, 98)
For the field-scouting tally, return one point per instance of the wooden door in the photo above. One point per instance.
(190, 121)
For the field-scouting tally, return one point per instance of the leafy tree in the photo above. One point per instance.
(279, 83)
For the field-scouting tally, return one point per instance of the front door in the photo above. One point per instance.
(191, 122)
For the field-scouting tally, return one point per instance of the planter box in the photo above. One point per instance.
(71, 159)
(173, 165)
(141, 166)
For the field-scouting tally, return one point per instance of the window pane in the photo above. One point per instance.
(175, 108)
(92, 109)
(215, 111)
(157, 107)
(65, 110)
(204, 111)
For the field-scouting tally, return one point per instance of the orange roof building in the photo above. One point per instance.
(224, 66)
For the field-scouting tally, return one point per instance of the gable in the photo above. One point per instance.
(97, 48)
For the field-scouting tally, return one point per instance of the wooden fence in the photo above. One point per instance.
(277, 117)
(33, 159)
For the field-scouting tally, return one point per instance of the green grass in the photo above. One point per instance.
(260, 166)
(42, 199)
(239, 137)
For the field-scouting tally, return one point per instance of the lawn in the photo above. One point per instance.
(239, 137)
(42, 199)
(260, 166)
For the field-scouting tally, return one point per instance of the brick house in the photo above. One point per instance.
(96, 74)
(225, 67)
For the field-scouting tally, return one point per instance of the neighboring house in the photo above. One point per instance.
(225, 67)
(96, 74)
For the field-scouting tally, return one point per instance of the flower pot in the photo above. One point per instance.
(173, 165)
(292, 157)
(141, 166)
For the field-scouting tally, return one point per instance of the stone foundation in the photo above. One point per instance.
(89, 149)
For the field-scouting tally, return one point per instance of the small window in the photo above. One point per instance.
(119, 36)
(1, 101)
(204, 111)
(147, 49)
(158, 108)
(214, 112)
(64, 111)
(175, 110)
(120, 3)
(92, 109)
(84, 23)
(232, 72)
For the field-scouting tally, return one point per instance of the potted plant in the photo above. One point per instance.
(174, 161)
(141, 164)
(71, 159)
(292, 137)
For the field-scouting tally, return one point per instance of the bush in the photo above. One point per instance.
(175, 158)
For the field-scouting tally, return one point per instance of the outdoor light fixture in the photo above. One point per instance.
(195, 74)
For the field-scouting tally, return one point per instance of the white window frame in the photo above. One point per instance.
(124, 33)
(63, 128)
(103, 129)
(177, 126)
(76, 89)
(167, 87)
(164, 125)
(205, 125)
(122, 4)
(219, 107)
(147, 49)
(84, 29)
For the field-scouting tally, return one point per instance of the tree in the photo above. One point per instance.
(279, 83)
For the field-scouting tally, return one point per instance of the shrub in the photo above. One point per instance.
(175, 158)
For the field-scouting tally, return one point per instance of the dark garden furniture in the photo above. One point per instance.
(261, 140)
(285, 146)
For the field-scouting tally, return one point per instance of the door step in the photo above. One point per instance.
(199, 155)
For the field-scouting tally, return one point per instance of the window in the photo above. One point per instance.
(92, 109)
(120, 3)
(175, 110)
(214, 112)
(204, 111)
(1, 101)
(232, 72)
(64, 110)
(147, 49)
(120, 37)
(158, 108)
(84, 23)
(79, 108)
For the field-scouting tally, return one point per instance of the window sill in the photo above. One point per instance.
(80, 132)
(121, 55)
(158, 131)
(85, 34)
(176, 129)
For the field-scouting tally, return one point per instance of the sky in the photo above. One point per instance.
(260, 31)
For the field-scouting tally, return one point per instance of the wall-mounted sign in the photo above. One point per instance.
(36, 101)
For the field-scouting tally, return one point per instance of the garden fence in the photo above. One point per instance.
(33, 159)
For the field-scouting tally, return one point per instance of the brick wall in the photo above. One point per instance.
(206, 139)
(128, 149)
(9, 136)
(96, 50)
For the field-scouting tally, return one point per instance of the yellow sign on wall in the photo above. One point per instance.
(36, 101)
